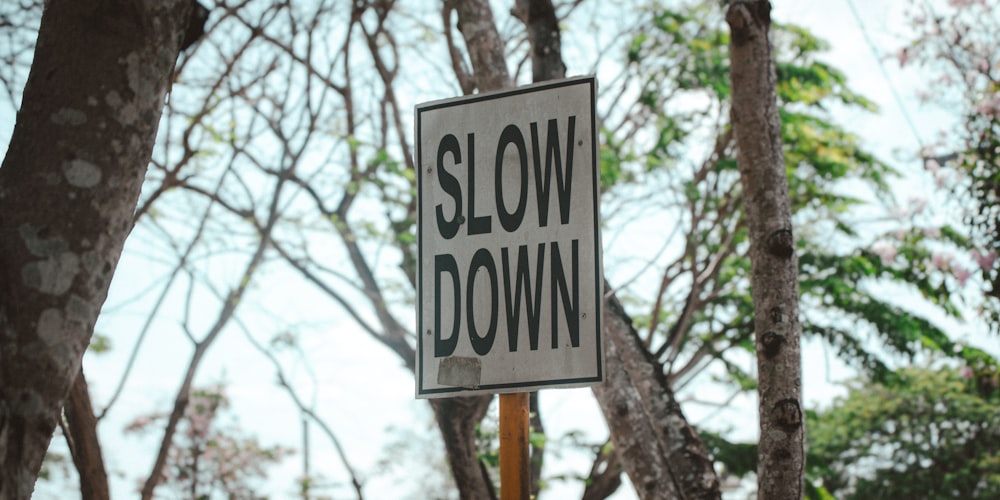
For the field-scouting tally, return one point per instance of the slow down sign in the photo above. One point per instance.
(509, 267)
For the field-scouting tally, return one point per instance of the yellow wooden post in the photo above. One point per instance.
(514, 475)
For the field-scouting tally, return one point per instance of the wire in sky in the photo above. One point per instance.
(885, 74)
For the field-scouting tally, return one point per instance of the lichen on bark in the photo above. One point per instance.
(63, 194)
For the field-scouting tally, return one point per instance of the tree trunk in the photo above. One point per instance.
(489, 64)
(457, 419)
(774, 265)
(68, 187)
(539, 18)
(662, 454)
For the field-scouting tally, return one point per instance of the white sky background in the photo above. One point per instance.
(360, 407)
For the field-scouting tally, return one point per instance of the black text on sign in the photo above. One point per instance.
(509, 291)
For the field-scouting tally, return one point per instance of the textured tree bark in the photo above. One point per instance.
(774, 265)
(68, 187)
(489, 64)
(539, 17)
(662, 454)
(457, 419)
(642, 458)
(605, 476)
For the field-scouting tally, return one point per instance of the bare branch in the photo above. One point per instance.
(308, 411)
(229, 306)
(605, 475)
(85, 445)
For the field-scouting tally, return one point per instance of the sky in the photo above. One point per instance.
(368, 412)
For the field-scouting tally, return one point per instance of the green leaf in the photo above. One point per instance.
(100, 343)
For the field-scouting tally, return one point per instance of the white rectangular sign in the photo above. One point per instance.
(509, 267)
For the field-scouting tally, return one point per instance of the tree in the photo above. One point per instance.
(774, 265)
(702, 310)
(953, 41)
(66, 195)
(923, 433)
(208, 456)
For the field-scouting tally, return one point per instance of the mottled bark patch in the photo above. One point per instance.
(68, 116)
(777, 315)
(50, 326)
(781, 243)
(53, 275)
(621, 409)
(772, 342)
(82, 173)
(788, 415)
(80, 309)
(113, 99)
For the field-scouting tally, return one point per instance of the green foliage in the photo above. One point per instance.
(682, 55)
(843, 271)
(55, 466)
(739, 459)
(612, 157)
(844, 312)
(919, 433)
(923, 433)
(488, 442)
(100, 343)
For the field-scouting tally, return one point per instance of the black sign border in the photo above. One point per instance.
(591, 81)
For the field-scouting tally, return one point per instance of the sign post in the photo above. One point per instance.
(509, 277)
(515, 480)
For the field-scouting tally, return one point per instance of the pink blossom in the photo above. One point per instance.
(941, 261)
(886, 251)
(961, 274)
(985, 260)
(932, 165)
(966, 372)
(917, 205)
(138, 424)
(989, 106)
(904, 56)
(945, 79)
(965, 3)
(940, 178)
